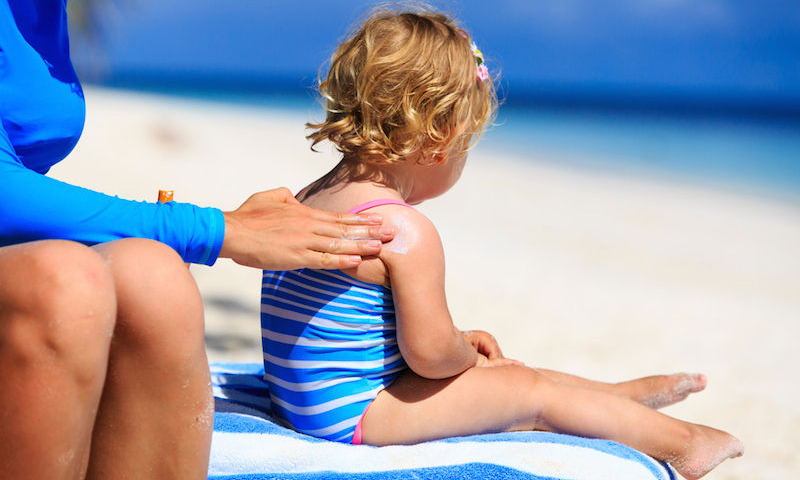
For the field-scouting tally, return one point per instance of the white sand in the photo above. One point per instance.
(602, 276)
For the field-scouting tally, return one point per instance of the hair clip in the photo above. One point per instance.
(483, 72)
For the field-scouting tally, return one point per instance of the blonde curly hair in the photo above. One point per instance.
(405, 82)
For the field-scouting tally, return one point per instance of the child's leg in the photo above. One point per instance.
(496, 399)
(656, 391)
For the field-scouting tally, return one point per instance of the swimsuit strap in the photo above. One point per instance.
(377, 203)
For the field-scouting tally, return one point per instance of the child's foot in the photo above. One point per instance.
(709, 448)
(659, 391)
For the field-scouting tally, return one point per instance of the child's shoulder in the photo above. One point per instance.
(415, 234)
(416, 243)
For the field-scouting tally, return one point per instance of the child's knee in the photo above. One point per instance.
(532, 380)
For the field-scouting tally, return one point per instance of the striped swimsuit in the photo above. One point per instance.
(330, 345)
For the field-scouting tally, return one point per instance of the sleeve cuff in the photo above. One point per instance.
(215, 226)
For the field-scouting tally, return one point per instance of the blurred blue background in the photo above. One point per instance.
(706, 90)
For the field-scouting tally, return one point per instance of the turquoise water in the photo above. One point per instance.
(705, 92)
(756, 154)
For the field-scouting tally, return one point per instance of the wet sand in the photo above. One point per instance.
(604, 276)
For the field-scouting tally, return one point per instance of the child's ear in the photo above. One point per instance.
(439, 158)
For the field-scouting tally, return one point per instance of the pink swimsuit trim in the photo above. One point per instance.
(357, 433)
(377, 203)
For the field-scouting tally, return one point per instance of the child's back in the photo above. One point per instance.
(329, 347)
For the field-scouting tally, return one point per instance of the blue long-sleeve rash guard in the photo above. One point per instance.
(42, 111)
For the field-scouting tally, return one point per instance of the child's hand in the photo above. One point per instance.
(484, 343)
(488, 348)
(483, 361)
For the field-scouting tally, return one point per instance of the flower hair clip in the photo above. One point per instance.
(483, 72)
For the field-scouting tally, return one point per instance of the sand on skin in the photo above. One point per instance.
(604, 276)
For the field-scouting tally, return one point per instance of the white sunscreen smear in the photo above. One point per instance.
(404, 236)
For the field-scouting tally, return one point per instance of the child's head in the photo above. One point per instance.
(408, 81)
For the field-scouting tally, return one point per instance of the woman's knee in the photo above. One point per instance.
(57, 299)
(159, 304)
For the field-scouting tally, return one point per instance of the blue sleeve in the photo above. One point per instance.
(36, 207)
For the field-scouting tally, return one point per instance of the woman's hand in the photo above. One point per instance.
(489, 354)
(273, 231)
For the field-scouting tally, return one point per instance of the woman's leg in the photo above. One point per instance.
(496, 399)
(57, 308)
(156, 414)
(656, 391)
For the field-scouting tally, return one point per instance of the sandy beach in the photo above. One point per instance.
(608, 277)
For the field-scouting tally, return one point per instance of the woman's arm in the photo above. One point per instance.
(272, 234)
(273, 231)
(431, 345)
(36, 207)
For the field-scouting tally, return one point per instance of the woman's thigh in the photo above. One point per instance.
(57, 309)
(158, 301)
(157, 400)
(56, 295)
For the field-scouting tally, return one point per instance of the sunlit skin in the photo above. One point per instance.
(459, 383)
(103, 353)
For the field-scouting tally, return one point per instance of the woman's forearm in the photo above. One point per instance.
(36, 207)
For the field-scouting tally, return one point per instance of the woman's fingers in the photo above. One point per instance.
(339, 246)
(347, 225)
(354, 232)
(328, 261)
(345, 218)
(272, 231)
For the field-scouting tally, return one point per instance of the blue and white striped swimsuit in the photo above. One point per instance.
(330, 345)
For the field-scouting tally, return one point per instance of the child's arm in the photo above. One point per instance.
(431, 345)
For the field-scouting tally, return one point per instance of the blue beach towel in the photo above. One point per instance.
(249, 445)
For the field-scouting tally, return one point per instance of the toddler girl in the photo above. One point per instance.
(370, 354)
